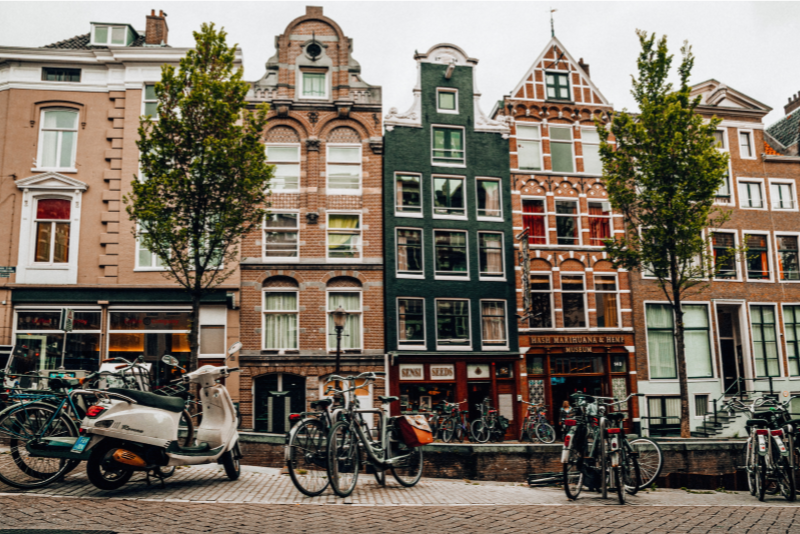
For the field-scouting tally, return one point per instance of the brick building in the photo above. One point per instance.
(69, 114)
(321, 246)
(578, 335)
(745, 325)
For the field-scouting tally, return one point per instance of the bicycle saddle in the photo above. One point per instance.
(757, 422)
(387, 400)
(322, 403)
(616, 416)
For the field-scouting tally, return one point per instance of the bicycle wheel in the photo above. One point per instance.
(461, 431)
(761, 477)
(448, 430)
(28, 424)
(631, 473)
(478, 431)
(651, 460)
(344, 459)
(306, 457)
(545, 433)
(408, 470)
(573, 475)
(750, 466)
(786, 482)
(619, 485)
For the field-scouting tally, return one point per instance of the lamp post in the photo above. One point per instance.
(339, 316)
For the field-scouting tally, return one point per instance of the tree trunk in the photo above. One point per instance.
(194, 332)
(680, 358)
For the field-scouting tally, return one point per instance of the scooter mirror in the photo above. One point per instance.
(235, 348)
(171, 360)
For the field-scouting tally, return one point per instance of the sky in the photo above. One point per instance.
(749, 46)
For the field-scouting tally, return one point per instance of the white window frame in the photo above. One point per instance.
(463, 179)
(792, 186)
(404, 274)
(550, 292)
(616, 294)
(463, 150)
(287, 162)
(779, 333)
(577, 216)
(333, 191)
(589, 217)
(741, 189)
(446, 90)
(545, 214)
(530, 139)
(436, 275)
(585, 300)
(139, 248)
(492, 277)
(40, 148)
(776, 235)
(583, 150)
(145, 100)
(505, 326)
(770, 256)
(400, 213)
(751, 138)
(110, 33)
(332, 338)
(563, 142)
(265, 312)
(34, 224)
(360, 245)
(782, 335)
(468, 346)
(300, 85)
(479, 179)
(738, 277)
(424, 344)
(731, 200)
(265, 229)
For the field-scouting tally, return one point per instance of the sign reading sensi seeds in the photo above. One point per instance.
(411, 372)
(442, 372)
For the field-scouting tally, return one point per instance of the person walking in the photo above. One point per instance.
(565, 413)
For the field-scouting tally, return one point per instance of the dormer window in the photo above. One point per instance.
(105, 35)
(557, 86)
(314, 84)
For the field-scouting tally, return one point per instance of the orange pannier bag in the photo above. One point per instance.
(414, 430)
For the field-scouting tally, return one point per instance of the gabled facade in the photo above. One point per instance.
(321, 245)
(450, 301)
(577, 325)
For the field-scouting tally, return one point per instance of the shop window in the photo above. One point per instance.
(58, 140)
(489, 198)
(493, 321)
(567, 228)
(56, 74)
(448, 197)
(599, 222)
(408, 194)
(534, 220)
(281, 236)
(529, 147)
(452, 324)
(344, 237)
(451, 254)
(409, 252)
(535, 365)
(557, 85)
(791, 326)
(351, 335)
(447, 100)
(541, 302)
(423, 397)
(411, 322)
(280, 320)
(448, 146)
(573, 301)
(286, 159)
(787, 257)
(561, 149)
(576, 364)
(607, 301)
(52, 230)
(757, 257)
(782, 196)
(491, 255)
(765, 345)
(724, 260)
(344, 169)
(590, 139)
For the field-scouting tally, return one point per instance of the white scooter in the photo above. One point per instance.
(128, 431)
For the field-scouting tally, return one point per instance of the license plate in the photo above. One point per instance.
(81, 444)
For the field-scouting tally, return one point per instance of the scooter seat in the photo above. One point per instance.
(170, 404)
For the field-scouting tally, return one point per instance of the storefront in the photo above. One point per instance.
(557, 366)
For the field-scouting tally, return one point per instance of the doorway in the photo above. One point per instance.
(276, 396)
(730, 345)
(476, 392)
(562, 387)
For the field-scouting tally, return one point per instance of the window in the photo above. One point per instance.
(724, 260)
(529, 147)
(351, 335)
(145, 259)
(757, 257)
(448, 146)
(698, 348)
(719, 139)
(567, 222)
(791, 324)
(493, 323)
(765, 345)
(280, 235)
(491, 255)
(287, 167)
(533, 219)
(449, 197)
(280, 320)
(314, 84)
(409, 252)
(411, 322)
(452, 323)
(787, 257)
(447, 100)
(607, 306)
(57, 139)
(557, 86)
(746, 144)
(408, 194)
(661, 346)
(344, 169)
(151, 333)
(599, 222)
(561, 149)
(573, 304)
(150, 101)
(451, 254)
(700, 405)
(724, 191)
(592, 163)
(489, 204)
(39, 342)
(782, 196)
(751, 195)
(110, 35)
(52, 230)
(212, 340)
(344, 237)
(541, 302)
(52, 74)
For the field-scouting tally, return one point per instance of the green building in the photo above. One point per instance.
(451, 329)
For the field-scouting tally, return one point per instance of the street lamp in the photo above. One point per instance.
(339, 316)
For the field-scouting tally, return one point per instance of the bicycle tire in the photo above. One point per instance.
(522, 430)
(26, 423)
(448, 430)
(761, 477)
(478, 431)
(619, 486)
(631, 474)
(344, 459)
(605, 465)
(750, 468)
(788, 473)
(573, 475)
(651, 460)
(306, 457)
(408, 471)
(461, 432)
(545, 433)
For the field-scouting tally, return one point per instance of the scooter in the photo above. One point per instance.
(129, 431)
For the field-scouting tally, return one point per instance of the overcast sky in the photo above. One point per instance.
(750, 46)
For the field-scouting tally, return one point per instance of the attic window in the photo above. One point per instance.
(110, 35)
(314, 83)
(557, 86)
(51, 74)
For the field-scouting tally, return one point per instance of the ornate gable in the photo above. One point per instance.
(717, 94)
(51, 181)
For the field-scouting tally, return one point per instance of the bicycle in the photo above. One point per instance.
(455, 424)
(535, 424)
(482, 428)
(347, 440)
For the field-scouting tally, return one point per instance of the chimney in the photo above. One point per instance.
(794, 103)
(157, 30)
(313, 11)
(584, 66)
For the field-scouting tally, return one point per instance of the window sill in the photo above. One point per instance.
(491, 279)
(344, 260)
(452, 165)
(408, 214)
(412, 347)
(491, 219)
(454, 348)
(458, 278)
(790, 210)
(50, 267)
(789, 281)
(281, 191)
(350, 192)
(70, 171)
(495, 348)
(276, 259)
(451, 217)
(770, 281)
(210, 356)
(752, 208)
(448, 111)
(150, 269)
(412, 276)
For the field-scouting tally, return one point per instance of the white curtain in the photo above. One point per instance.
(494, 323)
(660, 345)
(280, 329)
(698, 349)
(351, 335)
(493, 253)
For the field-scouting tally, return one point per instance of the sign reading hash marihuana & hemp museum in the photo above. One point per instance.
(583, 340)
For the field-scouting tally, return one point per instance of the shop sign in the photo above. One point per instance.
(412, 372)
(478, 370)
(582, 340)
(442, 372)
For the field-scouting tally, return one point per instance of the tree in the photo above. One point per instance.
(663, 176)
(204, 171)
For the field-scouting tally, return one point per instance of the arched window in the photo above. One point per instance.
(280, 313)
(58, 137)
